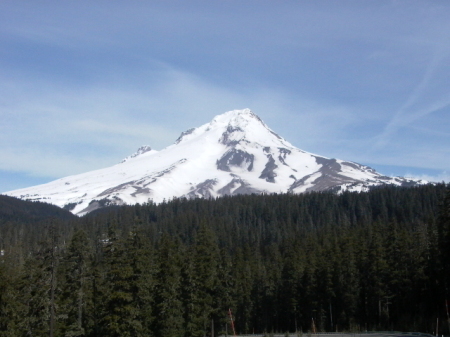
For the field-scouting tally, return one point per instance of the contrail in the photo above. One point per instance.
(408, 112)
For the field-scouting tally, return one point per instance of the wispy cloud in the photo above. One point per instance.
(442, 177)
(422, 101)
(68, 129)
(81, 87)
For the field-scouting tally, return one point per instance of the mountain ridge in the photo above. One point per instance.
(235, 153)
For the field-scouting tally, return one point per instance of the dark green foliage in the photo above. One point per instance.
(9, 305)
(33, 289)
(168, 305)
(444, 248)
(13, 209)
(356, 261)
(141, 258)
(204, 283)
(75, 284)
(121, 314)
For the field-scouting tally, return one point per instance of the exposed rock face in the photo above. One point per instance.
(238, 186)
(330, 175)
(236, 153)
(237, 158)
(203, 190)
(269, 173)
(183, 134)
(232, 136)
(141, 150)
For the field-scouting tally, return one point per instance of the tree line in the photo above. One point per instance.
(279, 263)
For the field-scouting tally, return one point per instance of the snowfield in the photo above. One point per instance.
(236, 153)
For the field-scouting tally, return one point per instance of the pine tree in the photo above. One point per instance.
(75, 292)
(205, 261)
(375, 284)
(120, 316)
(9, 318)
(33, 289)
(293, 268)
(243, 287)
(347, 283)
(168, 306)
(140, 257)
(37, 287)
(444, 246)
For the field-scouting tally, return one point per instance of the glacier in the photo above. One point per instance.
(235, 153)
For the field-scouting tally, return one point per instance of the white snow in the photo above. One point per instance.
(177, 170)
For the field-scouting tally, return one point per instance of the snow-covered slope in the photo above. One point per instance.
(236, 153)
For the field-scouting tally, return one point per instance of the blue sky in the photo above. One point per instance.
(83, 84)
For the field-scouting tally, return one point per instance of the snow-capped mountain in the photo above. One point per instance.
(236, 153)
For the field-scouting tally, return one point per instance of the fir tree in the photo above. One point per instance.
(168, 305)
(120, 316)
(75, 292)
(141, 259)
(9, 318)
(33, 289)
(206, 283)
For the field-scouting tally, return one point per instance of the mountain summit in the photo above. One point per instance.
(236, 153)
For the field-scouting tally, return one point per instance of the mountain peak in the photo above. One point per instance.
(238, 119)
(235, 153)
(235, 117)
(233, 125)
(143, 149)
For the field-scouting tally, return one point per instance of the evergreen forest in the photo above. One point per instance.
(277, 263)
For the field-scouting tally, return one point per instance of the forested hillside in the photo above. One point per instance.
(356, 261)
(17, 210)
